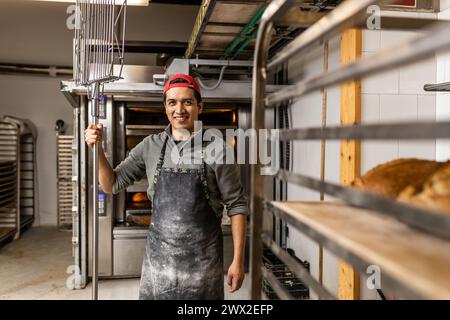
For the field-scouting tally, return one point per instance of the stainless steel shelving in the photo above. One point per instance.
(422, 225)
(9, 180)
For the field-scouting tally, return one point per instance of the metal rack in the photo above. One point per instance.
(17, 176)
(317, 219)
(9, 181)
(64, 178)
(27, 180)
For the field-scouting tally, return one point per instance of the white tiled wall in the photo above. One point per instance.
(307, 112)
(395, 95)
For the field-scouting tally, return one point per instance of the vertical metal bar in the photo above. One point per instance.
(99, 41)
(122, 56)
(75, 44)
(113, 26)
(84, 29)
(93, 39)
(111, 37)
(257, 181)
(323, 148)
(88, 39)
(275, 8)
(81, 52)
(105, 37)
(82, 39)
(102, 38)
(83, 183)
(94, 114)
(96, 63)
(324, 118)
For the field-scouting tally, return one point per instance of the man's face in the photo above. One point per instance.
(182, 108)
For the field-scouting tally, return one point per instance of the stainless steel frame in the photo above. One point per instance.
(429, 221)
(64, 179)
(17, 176)
(297, 268)
(346, 15)
(104, 218)
(402, 130)
(416, 49)
(9, 181)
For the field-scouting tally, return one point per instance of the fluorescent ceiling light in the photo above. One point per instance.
(118, 2)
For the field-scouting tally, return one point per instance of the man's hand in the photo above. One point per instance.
(93, 134)
(235, 276)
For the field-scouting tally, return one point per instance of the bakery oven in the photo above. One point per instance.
(124, 218)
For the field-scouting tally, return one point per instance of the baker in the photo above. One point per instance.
(184, 249)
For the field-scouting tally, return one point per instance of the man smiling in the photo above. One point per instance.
(184, 250)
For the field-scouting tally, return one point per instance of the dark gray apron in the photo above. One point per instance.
(184, 250)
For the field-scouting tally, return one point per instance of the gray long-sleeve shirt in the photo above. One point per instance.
(223, 179)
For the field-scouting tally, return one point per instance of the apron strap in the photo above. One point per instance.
(160, 162)
(203, 174)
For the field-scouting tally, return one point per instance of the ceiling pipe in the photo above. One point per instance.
(34, 69)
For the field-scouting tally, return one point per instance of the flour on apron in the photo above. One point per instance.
(184, 250)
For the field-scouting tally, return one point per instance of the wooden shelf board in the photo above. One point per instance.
(419, 261)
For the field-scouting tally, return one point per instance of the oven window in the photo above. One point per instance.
(156, 117)
(146, 116)
(138, 209)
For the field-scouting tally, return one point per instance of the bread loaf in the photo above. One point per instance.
(392, 177)
(433, 194)
(139, 197)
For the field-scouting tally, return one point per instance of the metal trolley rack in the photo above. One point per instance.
(17, 176)
(9, 181)
(410, 245)
(64, 162)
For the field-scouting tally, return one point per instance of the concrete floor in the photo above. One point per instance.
(34, 267)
